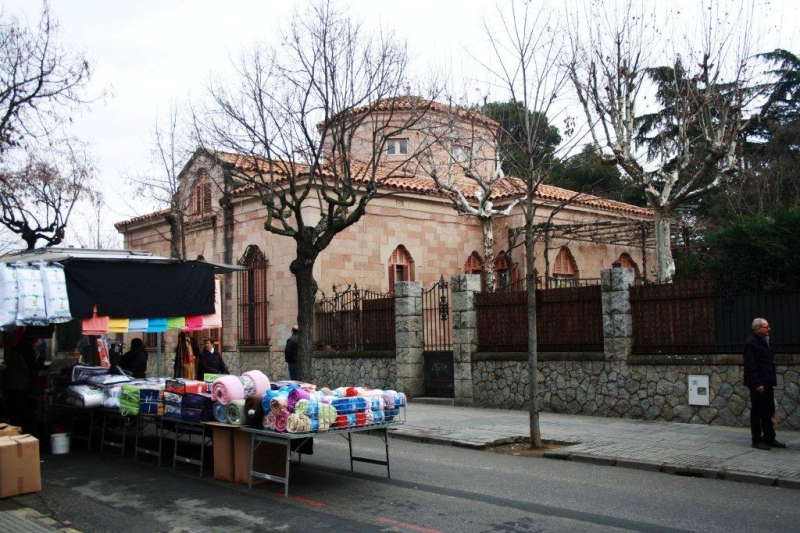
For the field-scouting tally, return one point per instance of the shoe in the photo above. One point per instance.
(761, 446)
(776, 444)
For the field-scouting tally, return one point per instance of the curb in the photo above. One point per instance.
(678, 470)
(634, 464)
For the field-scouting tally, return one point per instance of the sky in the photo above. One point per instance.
(147, 54)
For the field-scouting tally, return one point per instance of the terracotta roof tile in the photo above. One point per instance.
(505, 188)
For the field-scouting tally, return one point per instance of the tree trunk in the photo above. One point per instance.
(530, 287)
(303, 268)
(488, 254)
(665, 262)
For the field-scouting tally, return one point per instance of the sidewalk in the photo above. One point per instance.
(671, 447)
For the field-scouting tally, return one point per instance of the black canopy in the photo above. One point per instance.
(129, 289)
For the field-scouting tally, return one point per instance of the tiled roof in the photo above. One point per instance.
(505, 188)
(418, 103)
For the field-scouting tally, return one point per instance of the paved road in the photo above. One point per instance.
(671, 447)
(701, 451)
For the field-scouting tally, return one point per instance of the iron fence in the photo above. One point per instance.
(436, 329)
(567, 319)
(356, 319)
(684, 318)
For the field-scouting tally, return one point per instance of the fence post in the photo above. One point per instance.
(408, 338)
(465, 334)
(615, 285)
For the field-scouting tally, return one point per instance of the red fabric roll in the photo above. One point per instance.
(361, 419)
(351, 392)
(340, 422)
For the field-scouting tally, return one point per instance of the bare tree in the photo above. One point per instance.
(168, 187)
(40, 81)
(312, 120)
(527, 48)
(38, 197)
(94, 236)
(470, 172)
(672, 123)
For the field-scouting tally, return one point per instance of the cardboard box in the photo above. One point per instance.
(20, 471)
(9, 430)
(268, 458)
(222, 446)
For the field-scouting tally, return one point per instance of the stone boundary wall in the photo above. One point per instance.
(376, 370)
(643, 388)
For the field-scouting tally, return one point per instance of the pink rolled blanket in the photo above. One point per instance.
(260, 381)
(225, 389)
(281, 420)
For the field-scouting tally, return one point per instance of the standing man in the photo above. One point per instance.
(290, 353)
(759, 377)
(210, 361)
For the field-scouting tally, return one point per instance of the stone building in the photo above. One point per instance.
(411, 232)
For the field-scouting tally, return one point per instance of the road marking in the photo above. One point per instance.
(406, 525)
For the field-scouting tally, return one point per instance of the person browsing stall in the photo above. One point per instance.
(210, 361)
(135, 359)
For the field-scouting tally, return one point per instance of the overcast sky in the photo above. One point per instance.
(148, 53)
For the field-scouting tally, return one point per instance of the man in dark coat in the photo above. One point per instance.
(290, 352)
(210, 361)
(135, 360)
(759, 377)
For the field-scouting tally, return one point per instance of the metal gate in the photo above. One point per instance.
(437, 335)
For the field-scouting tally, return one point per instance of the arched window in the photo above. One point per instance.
(565, 271)
(202, 193)
(626, 261)
(253, 326)
(507, 273)
(401, 267)
(474, 265)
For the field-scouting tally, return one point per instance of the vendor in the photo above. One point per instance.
(135, 359)
(18, 383)
(210, 361)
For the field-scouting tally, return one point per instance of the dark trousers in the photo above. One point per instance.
(292, 370)
(761, 412)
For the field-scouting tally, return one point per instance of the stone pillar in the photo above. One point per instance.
(465, 334)
(408, 338)
(617, 323)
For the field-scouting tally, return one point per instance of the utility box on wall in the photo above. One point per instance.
(698, 390)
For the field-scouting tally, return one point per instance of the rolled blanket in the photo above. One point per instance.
(376, 403)
(326, 391)
(326, 416)
(361, 419)
(339, 392)
(227, 389)
(269, 420)
(360, 404)
(220, 413)
(344, 405)
(340, 422)
(235, 412)
(401, 396)
(351, 392)
(298, 424)
(352, 421)
(254, 410)
(295, 395)
(279, 403)
(281, 420)
(390, 399)
(260, 381)
(377, 417)
(310, 408)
